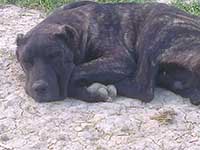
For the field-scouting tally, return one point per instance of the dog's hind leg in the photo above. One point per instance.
(181, 81)
(179, 71)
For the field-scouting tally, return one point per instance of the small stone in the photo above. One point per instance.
(4, 138)
(37, 146)
(78, 129)
(43, 136)
(2, 128)
(61, 137)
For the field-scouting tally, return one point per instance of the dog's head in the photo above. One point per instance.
(47, 60)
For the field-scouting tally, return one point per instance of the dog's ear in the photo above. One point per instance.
(67, 33)
(20, 39)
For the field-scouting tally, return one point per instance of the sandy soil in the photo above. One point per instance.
(169, 122)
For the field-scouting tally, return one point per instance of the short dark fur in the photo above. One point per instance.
(133, 46)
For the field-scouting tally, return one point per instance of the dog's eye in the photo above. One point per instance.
(55, 55)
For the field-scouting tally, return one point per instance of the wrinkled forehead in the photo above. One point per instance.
(41, 45)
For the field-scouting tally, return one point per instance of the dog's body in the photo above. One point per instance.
(133, 46)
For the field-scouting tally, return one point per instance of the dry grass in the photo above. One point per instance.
(164, 116)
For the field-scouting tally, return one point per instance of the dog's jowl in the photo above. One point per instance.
(82, 49)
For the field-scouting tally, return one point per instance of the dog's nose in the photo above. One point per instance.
(40, 87)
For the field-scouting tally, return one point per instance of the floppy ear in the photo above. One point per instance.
(20, 39)
(67, 33)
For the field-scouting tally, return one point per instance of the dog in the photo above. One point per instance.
(93, 51)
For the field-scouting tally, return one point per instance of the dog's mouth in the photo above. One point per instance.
(49, 90)
(46, 96)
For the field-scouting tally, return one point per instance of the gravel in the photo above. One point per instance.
(169, 122)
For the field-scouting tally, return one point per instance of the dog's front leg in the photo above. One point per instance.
(96, 92)
(105, 70)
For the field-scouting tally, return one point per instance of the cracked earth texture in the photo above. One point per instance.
(169, 122)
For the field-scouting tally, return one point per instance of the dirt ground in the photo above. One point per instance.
(169, 122)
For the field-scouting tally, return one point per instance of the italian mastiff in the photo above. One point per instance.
(88, 51)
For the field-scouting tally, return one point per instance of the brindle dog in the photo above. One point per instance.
(132, 46)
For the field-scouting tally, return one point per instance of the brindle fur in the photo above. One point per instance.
(133, 46)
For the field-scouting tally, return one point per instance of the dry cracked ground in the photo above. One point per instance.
(169, 122)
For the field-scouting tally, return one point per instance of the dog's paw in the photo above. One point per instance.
(112, 91)
(105, 93)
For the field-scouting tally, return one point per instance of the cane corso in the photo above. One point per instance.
(131, 46)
